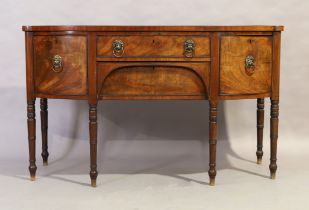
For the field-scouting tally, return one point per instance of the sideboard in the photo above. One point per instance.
(152, 63)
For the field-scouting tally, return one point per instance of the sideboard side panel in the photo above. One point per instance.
(276, 66)
(29, 65)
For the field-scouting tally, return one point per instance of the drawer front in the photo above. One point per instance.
(60, 65)
(245, 65)
(153, 81)
(152, 46)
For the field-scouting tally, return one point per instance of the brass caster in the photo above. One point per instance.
(45, 163)
(93, 183)
(32, 178)
(259, 161)
(212, 182)
(273, 175)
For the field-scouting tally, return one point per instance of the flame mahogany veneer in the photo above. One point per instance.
(153, 63)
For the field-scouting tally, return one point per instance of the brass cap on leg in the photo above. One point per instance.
(212, 182)
(45, 163)
(93, 183)
(259, 161)
(273, 175)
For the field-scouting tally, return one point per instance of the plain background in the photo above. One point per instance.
(142, 137)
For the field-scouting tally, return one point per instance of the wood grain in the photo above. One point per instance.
(259, 127)
(274, 112)
(233, 76)
(152, 28)
(44, 129)
(213, 135)
(153, 46)
(276, 66)
(72, 80)
(31, 137)
(213, 104)
(274, 124)
(31, 121)
(215, 65)
(153, 67)
(93, 127)
(135, 80)
(92, 71)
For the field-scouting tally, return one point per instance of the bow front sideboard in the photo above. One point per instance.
(152, 63)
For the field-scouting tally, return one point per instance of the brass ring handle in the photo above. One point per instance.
(189, 48)
(57, 63)
(249, 64)
(118, 48)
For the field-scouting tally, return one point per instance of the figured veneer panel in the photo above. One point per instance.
(234, 80)
(153, 46)
(72, 79)
(164, 81)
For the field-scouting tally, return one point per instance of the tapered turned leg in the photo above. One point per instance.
(44, 127)
(212, 142)
(274, 120)
(260, 126)
(93, 143)
(31, 137)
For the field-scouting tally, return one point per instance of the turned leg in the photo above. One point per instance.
(93, 143)
(212, 142)
(260, 126)
(274, 120)
(31, 137)
(44, 127)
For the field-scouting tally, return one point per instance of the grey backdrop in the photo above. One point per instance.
(147, 133)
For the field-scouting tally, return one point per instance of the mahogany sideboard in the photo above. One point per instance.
(153, 63)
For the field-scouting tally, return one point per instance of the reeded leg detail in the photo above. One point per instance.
(44, 127)
(93, 143)
(274, 120)
(31, 137)
(212, 142)
(260, 127)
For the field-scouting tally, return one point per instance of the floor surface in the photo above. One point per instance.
(171, 176)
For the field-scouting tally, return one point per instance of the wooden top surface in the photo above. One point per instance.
(151, 28)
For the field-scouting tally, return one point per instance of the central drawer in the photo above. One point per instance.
(153, 80)
(153, 46)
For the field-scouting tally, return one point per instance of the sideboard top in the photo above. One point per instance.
(152, 28)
